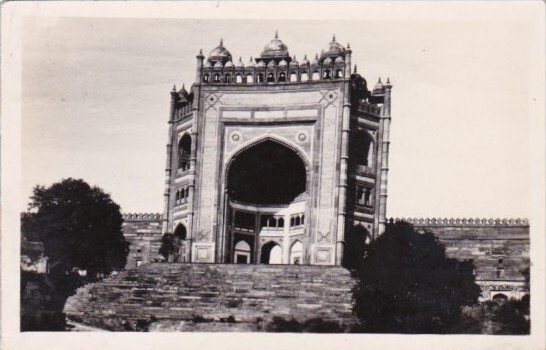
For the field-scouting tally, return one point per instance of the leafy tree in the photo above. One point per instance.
(80, 227)
(408, 285)
(167, 245)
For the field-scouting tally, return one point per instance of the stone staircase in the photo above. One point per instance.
(217, 297)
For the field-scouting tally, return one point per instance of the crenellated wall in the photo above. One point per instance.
(499, 249)
(143, 231)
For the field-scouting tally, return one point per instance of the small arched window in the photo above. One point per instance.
(304, 76)
(187, 192)
(177, 197)
(272, 222)
(316, 75)
(180, 232)
(339, 73)
(227, 78)
(249, 78)
(326, 74)
(260, 78)
(217, 78)
(238, 79)
(292, 221)
(293, 77)
(298, 221)
(282, 77)
(270, 78)
(184, 152)
(206, 78)
(361, 148)
(280, 222)
(303, 219)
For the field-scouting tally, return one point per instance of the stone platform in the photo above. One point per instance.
(216, 297)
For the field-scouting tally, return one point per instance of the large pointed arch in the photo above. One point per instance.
(265, 173)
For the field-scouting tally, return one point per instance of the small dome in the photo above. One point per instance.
(251, 63)
(339, 59)
(335, 48)
(183, 93)
(305, 61)
(275, 48)
(315, 61)
(283, 63)
(229, 64)
(239, 63)
(271, 64)
(207, 64)
(220, 53)
(378, 88)
(327, 61)
(261, 64)
(218, 64)
(294, 62)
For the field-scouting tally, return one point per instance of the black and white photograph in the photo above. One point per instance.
(289, 173)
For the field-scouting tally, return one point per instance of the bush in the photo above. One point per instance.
(406, 284)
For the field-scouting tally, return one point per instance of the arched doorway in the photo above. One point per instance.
(261, 180)
(242, 253)
(180, 234)
(271, 253)
(296, 253)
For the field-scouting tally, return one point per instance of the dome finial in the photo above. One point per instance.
(276, 34)
(348, 45)
(379, 81)
(221, 42)
(174, 88)
(354, 71)
(334, 37)
(200, 51)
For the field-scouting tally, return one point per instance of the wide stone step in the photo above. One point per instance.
(178, 296)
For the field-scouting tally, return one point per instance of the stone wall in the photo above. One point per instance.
(143, 231)
(498, 248)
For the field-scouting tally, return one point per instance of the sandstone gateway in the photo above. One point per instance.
(276, 160)
(271, 160)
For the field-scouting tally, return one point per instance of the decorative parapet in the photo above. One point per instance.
(367, 107)
(141, 216)
(462, 222)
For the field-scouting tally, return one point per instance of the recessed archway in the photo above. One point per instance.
(271, 253)
(267, 173)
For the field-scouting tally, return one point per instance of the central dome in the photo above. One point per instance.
(220, 53)
(275, 48)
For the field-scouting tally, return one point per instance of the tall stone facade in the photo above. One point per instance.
(271, 161)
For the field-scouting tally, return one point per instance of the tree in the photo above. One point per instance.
(406, 284)
(80, 227)
(167, 245)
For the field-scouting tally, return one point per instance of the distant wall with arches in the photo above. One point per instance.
(499, 248)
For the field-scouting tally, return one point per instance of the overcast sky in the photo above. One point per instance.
(96, 102)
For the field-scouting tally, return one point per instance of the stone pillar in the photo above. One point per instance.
(286, 240)
(345, 128)
(168, 165)
(386, 122)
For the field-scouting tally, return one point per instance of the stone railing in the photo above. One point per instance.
(462, 222)
(367, 107)
(141, 216)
